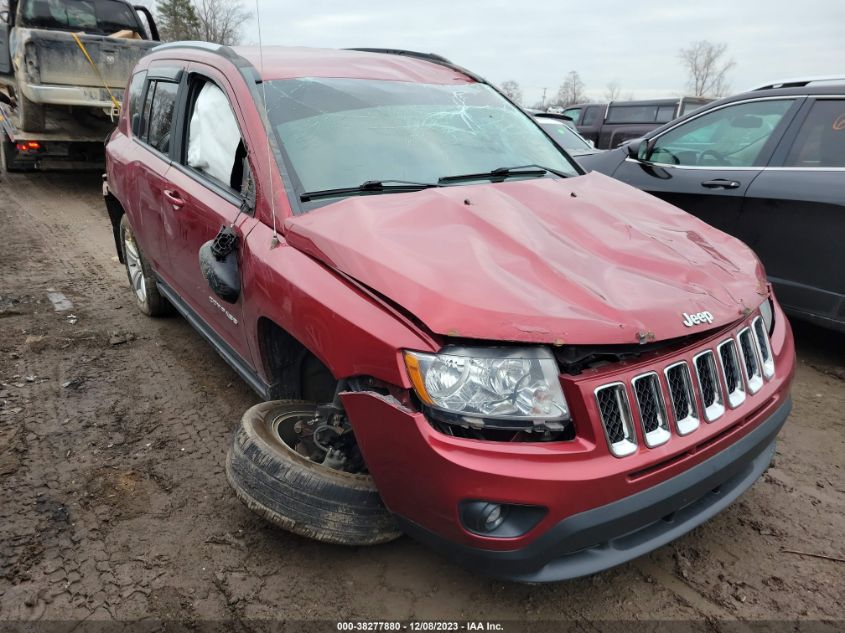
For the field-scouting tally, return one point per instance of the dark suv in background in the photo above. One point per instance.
(767, 166)
(608, 125)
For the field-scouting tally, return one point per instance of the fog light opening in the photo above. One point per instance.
(499, 520)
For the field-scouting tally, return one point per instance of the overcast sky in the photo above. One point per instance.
(632, 42)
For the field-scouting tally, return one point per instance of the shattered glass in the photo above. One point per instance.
(343, 132)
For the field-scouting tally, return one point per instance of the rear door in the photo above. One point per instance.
(706, 164)
(206, 191)
(151, 118)
(794, 212)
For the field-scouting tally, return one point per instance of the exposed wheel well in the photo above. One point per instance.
(116, 212)
(294, 372)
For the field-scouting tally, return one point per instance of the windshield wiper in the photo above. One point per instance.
(369, 187)
(500, 173)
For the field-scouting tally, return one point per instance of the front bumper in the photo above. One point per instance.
(612, 534)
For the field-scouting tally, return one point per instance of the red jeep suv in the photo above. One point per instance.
(455, 332)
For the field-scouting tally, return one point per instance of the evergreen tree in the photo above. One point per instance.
(177, 20)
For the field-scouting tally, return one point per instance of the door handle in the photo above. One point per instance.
(174, 198)
(720, 183)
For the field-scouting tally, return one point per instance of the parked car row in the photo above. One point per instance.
(608, 125)
(768, 167)
(457, 332)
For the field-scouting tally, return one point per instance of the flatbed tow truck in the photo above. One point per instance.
(68, 142)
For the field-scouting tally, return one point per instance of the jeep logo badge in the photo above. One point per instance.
(697, 319)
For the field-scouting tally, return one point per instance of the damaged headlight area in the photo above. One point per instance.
(491, 388)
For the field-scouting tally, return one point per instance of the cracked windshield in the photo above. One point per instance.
(344, 132)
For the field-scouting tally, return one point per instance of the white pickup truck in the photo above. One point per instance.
(61, 54)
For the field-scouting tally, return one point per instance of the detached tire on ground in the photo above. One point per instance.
(297, 494)
(140, 274)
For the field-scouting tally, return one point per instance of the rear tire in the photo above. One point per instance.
(297, 494)
(140, 274)
(32, 115)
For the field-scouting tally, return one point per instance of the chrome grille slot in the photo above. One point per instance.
(615, 414)
(709, 388)
(683, 401)
(763, 346)
(732, 373)
(750, 361)
(652, 410)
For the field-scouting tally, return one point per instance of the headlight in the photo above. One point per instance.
(767, 311)
(519, 384)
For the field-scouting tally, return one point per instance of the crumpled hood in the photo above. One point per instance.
(586, 260)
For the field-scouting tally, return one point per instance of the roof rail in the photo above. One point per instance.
(429, 57)
(798, 82)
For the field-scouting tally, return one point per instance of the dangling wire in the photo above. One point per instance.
(275, 240)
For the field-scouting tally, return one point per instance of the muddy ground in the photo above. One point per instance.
(114, 504)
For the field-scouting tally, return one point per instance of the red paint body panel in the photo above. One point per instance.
(526, 261)
(423, 475)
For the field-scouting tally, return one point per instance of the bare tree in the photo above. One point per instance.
(707, 67)
(512, 90)
(220, 21)
(613, 91)
(571, 90)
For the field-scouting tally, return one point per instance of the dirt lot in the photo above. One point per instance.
(114, 504)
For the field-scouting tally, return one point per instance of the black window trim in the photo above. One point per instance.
(766, 152)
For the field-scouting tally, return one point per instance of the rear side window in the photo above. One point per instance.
(591, 116)
(573, 113)
(632, 114)
(821, 139)
(161, 96)
(665, 114)
(132, 101)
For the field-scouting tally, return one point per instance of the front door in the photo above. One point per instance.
(706, 164)
(205, 193)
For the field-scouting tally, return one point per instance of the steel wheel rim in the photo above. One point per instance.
(133, 265)
(279, 425)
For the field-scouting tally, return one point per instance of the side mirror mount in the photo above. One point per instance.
(4, 17)
(638, 148)
(219, 265)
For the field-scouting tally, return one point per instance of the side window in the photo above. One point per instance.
(732, 136)
(215, 148)
(631, 114)
(591, 115)
(821, 139)
(573, 113)
(160, 125)
(665, 114)
(133, 100)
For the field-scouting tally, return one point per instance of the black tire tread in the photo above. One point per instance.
(299, 495)
(156, 304)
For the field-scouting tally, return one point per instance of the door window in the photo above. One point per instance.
(821, 139)
(133, 100)
(215, 147)
(163, 103)
(591, 115)
(732, 136)
(632, 114)
(665, 113)
(573, 113)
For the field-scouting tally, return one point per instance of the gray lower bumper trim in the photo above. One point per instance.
(612, 534)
